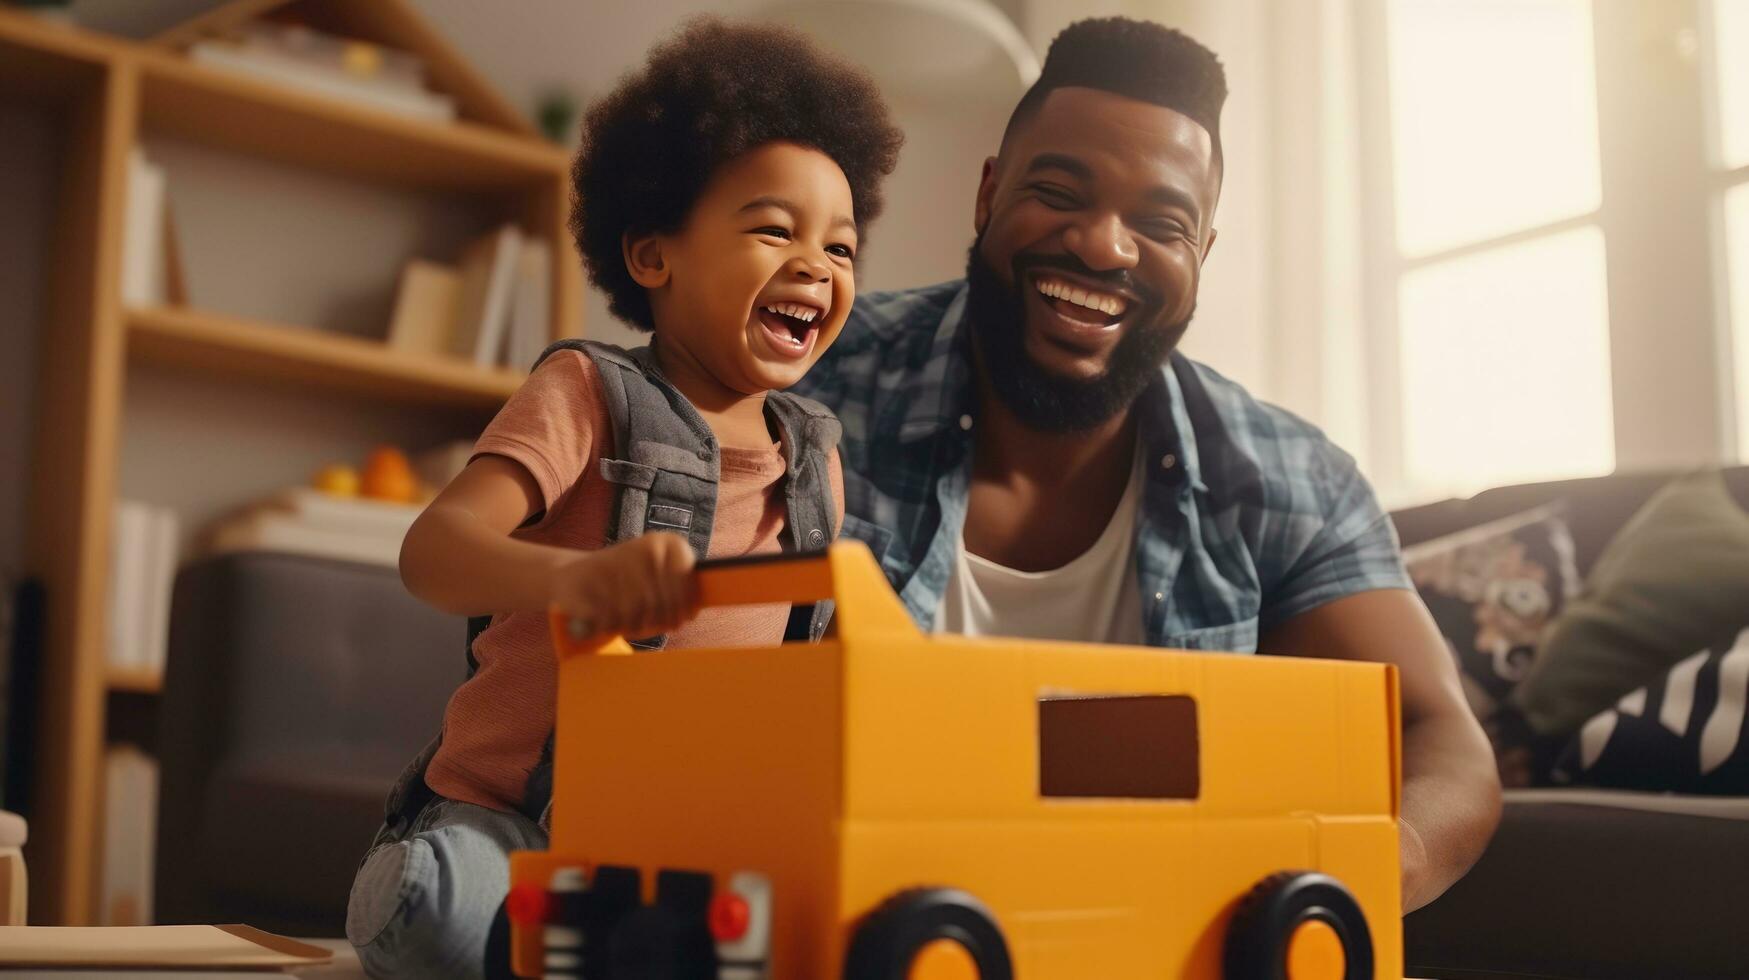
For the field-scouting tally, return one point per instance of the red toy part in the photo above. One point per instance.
(729, 917)
(528, 904)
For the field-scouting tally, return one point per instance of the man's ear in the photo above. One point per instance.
(1209, 245)
(644, 260)
(986, 194)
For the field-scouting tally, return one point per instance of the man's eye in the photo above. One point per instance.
(843, 251)
(1056, 197)
(774, 232)
(1163, 230)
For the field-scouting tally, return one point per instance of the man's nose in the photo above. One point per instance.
(1102, 243)
(809, 269)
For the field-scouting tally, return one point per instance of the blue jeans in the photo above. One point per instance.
(423, 901)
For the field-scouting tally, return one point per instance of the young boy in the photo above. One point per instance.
(721, 193)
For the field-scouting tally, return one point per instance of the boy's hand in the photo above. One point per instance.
(637, 588)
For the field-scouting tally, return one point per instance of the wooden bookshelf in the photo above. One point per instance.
(310, 358)
(106, 94)
(234, 111)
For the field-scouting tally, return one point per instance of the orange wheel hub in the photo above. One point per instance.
(943, 959)
(1314, 952)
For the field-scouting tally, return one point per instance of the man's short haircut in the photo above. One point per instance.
(705, 97)
(1137, 59)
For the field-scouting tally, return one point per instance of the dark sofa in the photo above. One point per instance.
(296, 689)
(1586, 883)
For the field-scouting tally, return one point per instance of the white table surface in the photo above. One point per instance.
(344, 966)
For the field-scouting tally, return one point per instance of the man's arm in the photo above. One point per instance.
(1451, 792)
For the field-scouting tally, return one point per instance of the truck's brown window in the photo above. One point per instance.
(1135, 746)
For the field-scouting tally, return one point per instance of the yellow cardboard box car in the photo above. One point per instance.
(889, 806)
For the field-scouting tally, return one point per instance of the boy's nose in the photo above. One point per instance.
(809, 270)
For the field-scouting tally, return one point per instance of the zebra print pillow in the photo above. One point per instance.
(1683, 733)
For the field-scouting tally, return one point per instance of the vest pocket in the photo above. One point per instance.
(662, 517)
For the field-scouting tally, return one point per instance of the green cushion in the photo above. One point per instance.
(1674, 579)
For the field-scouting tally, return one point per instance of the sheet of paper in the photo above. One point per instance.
(235, 946)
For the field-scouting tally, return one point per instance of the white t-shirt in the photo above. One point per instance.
(1094, 598)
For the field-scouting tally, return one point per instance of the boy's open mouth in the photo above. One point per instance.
(789, 326)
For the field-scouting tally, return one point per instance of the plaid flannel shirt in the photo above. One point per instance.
(1250, 515)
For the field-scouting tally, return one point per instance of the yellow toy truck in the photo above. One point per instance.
(885, 805)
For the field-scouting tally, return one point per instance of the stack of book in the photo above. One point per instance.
(492, 309)
(336, 67)
(142, 569)
(303, 521)
(130, 827)
(148, 257)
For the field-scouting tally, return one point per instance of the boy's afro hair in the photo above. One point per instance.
(706, 96)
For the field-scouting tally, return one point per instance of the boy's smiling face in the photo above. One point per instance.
(759, 281)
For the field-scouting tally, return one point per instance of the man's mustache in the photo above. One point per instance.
(1118, 280)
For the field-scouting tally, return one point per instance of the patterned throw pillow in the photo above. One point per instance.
(1492, 589)
(1683, 733)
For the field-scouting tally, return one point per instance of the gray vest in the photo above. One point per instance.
(666, 470)
(668, 461)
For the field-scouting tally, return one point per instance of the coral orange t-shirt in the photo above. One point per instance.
(557, 427)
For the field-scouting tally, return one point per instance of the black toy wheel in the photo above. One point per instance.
(924, 926)
(647, 945)
(1298, 925)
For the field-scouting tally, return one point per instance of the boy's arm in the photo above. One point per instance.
(459, 557)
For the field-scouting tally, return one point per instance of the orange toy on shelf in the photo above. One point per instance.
(389, 476)
(885, 805)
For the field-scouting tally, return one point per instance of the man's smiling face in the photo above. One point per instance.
(1092, 227)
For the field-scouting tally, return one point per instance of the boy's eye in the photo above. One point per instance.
(842, 251)
(773, 231)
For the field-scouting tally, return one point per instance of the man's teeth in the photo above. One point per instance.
(1104, 303)
(806, 314)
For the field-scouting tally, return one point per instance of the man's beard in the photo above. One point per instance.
(1041, 399)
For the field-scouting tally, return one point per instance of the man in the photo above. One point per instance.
(1028, 455)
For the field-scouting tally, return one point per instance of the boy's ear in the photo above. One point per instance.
(644, 260)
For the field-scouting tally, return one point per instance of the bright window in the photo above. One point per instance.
(1505, 365)
(1730, 20)
(1737, 235)
(1501, 294)
(1493, 118)
(1730, 64)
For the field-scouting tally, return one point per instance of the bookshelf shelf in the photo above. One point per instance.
(233, 346)
(135, 681)
(220, 108)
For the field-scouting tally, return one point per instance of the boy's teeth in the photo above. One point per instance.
(806, 314)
